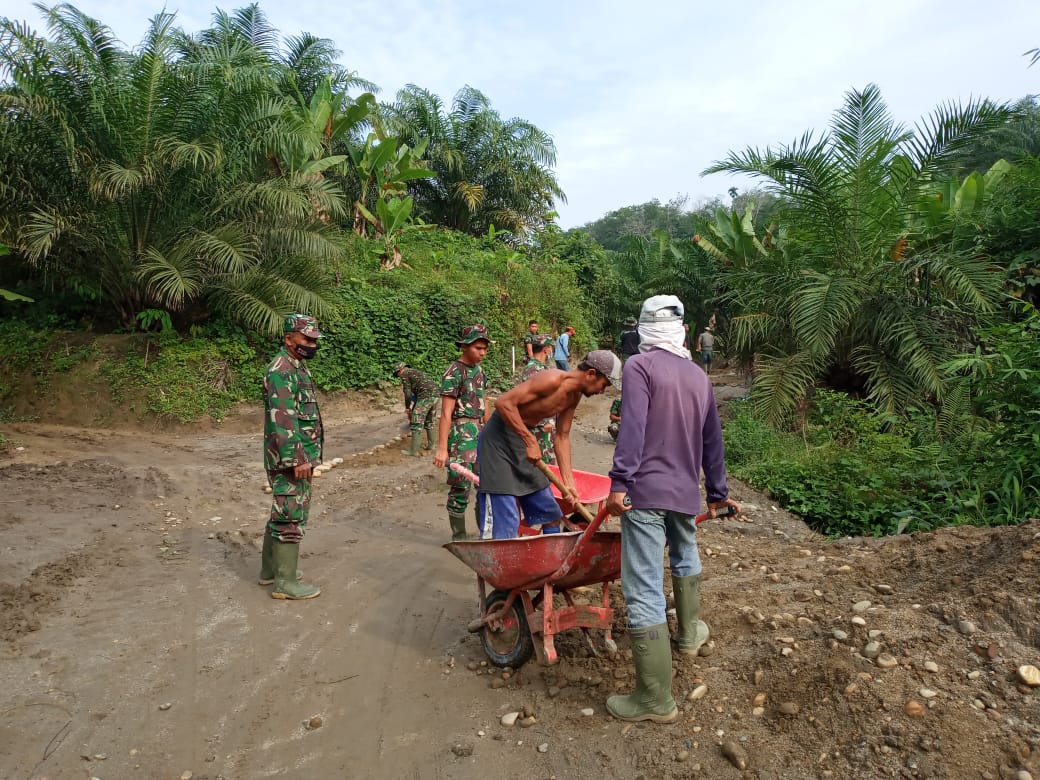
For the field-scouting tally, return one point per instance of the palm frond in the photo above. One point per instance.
(172, 278)
(820, 308)
(781, 382)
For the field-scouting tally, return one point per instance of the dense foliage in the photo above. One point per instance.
(220, 173)
(381, 318)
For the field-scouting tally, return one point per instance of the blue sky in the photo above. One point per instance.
(642, 96)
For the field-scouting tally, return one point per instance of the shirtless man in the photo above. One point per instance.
(507, 451)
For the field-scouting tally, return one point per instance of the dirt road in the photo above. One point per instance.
(135, 642)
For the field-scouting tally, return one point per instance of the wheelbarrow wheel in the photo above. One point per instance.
(509, 642)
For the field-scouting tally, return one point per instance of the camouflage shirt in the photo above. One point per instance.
(615, 408)
(465, 384)
(417, 384)
(293, 433)
(533, 367)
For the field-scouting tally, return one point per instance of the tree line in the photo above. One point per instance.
(220, 172)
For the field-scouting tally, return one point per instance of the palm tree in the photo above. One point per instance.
(490, 171)
(867, 294)
(140, 179)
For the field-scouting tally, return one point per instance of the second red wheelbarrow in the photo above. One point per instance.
(525, 573)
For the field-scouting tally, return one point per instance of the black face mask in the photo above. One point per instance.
(307, 352)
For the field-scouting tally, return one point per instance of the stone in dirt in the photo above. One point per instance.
(315, 722)
(914, 709)
(886, 661)
(698, 693)
(735, 754)
(788, 708)
(509, 718)
(1029, 674)
(543, 748)
(861, 606)
(462, 751)
(966, 627)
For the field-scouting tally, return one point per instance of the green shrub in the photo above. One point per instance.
(184, 379)
(848, 473)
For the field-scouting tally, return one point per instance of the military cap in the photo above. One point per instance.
(302, 323)
(472, 333)
(399, 367)
(631, 321)
(541, 341)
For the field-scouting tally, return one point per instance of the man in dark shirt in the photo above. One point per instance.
(671, 433)
(628, 342)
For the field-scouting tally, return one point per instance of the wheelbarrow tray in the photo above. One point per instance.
(531, 561)
(592, 489)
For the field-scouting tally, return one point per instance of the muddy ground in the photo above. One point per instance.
(135, 642)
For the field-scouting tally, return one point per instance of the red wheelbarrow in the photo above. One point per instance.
(524, 573)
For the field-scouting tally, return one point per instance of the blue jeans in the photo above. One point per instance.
(498, 516)
(643, 534)
(563, 365)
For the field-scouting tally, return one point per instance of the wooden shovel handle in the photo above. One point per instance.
(585, 513)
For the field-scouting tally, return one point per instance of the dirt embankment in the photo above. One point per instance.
(135, 642)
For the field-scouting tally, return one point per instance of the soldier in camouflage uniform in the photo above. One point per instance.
(420, 397)
(532, 334)
(615, 419)
(462, 416)
(293, 440)
(542, 347)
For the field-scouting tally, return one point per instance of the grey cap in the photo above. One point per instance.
(661, 308)
(607, 363)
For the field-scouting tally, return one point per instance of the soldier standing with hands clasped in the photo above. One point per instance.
(293, 440)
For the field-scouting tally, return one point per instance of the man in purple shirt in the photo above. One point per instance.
(671, 433)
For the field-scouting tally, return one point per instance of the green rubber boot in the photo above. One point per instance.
(458, 527)
(429, 440)
(267, 565)
(693, 632)
(413, 449)
(286, 583)
(652, 699)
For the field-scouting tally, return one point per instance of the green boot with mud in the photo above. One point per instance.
(693, 632)
(652, 699)
(267, 565)
(429, 440)
(413, 449)
(458, 527)
(286, 583)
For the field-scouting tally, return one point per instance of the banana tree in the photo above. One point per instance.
(387, 165)
(317, 126)
(393, 219)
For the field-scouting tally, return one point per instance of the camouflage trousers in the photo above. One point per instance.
(291, 501)
(545, 444)
(422, 415)
(462, 448)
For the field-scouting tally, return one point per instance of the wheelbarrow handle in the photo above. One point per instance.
(585, 513)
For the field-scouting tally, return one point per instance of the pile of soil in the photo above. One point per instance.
(136, 643)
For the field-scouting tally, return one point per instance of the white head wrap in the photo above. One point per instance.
(661, 325)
